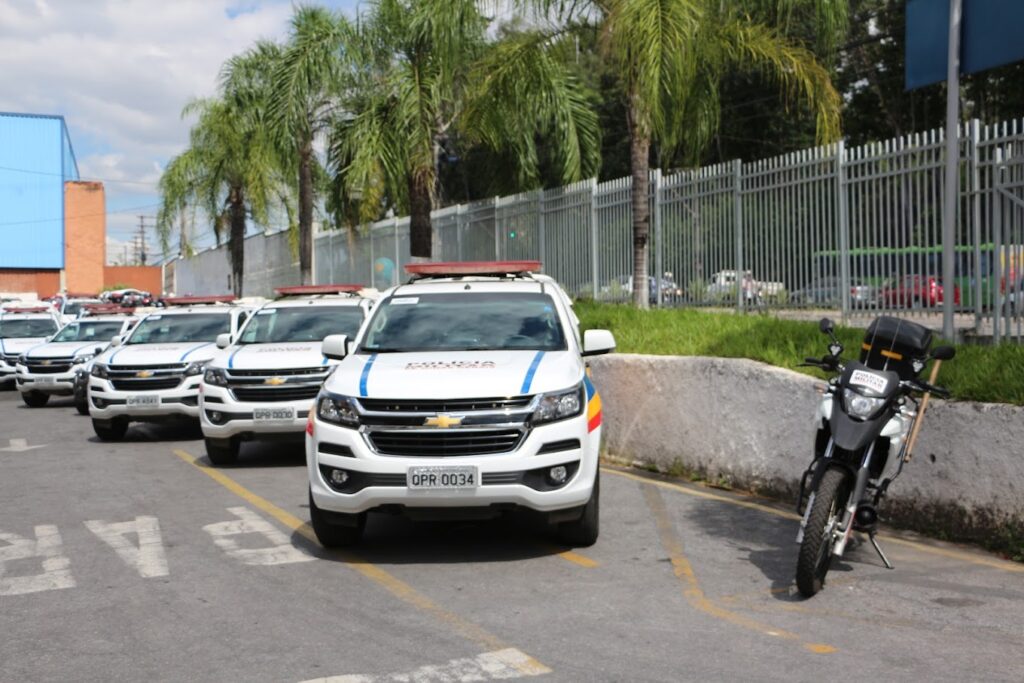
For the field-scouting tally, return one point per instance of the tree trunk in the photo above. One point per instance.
(420, 231)
(236, 240)
(306, 212)
(639, 150)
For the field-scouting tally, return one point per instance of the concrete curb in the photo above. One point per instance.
(751, 425)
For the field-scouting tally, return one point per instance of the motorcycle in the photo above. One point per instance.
(868, 420)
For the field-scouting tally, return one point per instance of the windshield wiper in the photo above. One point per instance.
(386, 349)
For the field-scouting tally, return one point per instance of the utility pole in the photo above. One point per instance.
(142, 240)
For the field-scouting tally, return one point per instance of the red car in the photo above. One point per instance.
(913, 291)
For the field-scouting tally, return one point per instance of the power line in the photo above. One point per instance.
(111, 181)
(58, 219)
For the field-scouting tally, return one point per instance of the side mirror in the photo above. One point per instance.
(826, 326)
(335, 346)
(944, 353)
(97, 351)
(597, 342)
(223, 340)
(115, 340)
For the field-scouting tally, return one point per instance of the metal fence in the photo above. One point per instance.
(854, 230)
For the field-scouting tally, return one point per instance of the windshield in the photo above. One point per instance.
(27, 328)
(465, 321)
(301, 324)
(98, 331)
(171, 329)
(75, 307)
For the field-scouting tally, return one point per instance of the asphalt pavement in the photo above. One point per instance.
(139, 561)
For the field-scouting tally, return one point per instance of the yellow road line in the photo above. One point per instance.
(691, 586)
(391, 583)
(995, 563)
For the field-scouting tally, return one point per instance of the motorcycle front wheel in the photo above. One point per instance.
(816, 549)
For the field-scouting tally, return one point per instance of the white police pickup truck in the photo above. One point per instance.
(154, 374)
(263, 386)
(21, 328)
(466, 390)
(49, 369)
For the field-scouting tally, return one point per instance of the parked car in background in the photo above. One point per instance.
(915, 291)
(828, 291)
(621, 288)
(723, 285)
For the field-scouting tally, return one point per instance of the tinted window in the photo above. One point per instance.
(470, 321)
(98, 331)
(24, 328)
(305, 324)
(191, 327)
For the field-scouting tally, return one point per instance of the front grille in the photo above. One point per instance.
(48, 366)
(155, 368)
(271, 394)
(10, 358)
(450, 405)
(155, 384)
(292, 372)
(447, 443)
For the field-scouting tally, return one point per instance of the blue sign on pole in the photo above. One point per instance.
(990, 37)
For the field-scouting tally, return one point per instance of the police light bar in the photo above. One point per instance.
(79, 295)
(195, 300)
(106, 309)
(310, 290)
(29, 309)
(456, 268)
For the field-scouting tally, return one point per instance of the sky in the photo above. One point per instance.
(120, 71)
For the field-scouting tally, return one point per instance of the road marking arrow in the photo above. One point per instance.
(20, 445)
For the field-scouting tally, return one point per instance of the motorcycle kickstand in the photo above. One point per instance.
(878, 549)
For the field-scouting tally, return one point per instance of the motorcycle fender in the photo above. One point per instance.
(824, 410)
(853, 435)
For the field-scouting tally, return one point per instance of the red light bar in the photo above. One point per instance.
(29, 309)
(102, 309)
(79, 295)
(309, 290)
(190, 300)
(444, 269)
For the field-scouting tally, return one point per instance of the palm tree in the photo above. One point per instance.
(231, 168)
(418, 73)
(306, 87)
(671, 55)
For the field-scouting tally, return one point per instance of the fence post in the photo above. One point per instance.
(975, 200)
(540, 226)
(497, 233)
(398, 261)
(459, 211)
(659, 261)
(737, 209)
(593, 238)
(843, 225)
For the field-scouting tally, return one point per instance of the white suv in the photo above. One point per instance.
(22, 328)
(49, 369)
(466, 390)
(154, 374)
(263, 385)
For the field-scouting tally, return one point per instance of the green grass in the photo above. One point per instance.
(992, 374)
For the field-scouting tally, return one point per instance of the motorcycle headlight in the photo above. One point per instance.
(861, 406)
(559, 405)
(82, 359)
(216, 377)
(99, 370)
(196, 368)
(337, 410)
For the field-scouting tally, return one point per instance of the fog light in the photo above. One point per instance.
(558, 474)
(339, 477)
(99, 402)
(216, 416)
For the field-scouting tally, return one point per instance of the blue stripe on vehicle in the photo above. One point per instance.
(231, 358)
(190, 351)
(528, 380)
(114, 355)
(590, 387)
(324, 361)
(366, 374)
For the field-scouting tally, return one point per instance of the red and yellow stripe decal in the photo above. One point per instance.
(593, 404)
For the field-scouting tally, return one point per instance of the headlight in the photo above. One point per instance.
(559, 405)
(196, 368)
(861, 406)
(82, 359)
(99, 370)
(216, 377)
(338, 410)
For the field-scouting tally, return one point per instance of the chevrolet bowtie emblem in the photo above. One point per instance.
(275, 381)
(45, 362)
(144, 374)
(443, 421)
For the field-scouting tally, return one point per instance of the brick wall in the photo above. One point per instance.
(85, 249)
(42, 282)
(146, 278)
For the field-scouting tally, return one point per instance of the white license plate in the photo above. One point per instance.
(442, 477)
(273, 414)
(45, 381)
(143, 401)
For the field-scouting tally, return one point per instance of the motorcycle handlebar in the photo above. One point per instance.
(921, 385)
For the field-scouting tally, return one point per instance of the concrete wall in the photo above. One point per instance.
(752, 426)
(146, 278)
(84, 236)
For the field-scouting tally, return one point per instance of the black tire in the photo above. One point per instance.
(336, 529)
(114, 430)
(35, 399)
(81, 404)
(7, 386)
(222, 451)
(583, 532)
(816, 550)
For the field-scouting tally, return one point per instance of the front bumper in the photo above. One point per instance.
(237, 416)
(503, 477)
(59, 384)
(107, 403)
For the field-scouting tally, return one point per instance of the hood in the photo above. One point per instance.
(66, 349)
(456, 374)
(20, 344)
(153, 354)
(271, 356)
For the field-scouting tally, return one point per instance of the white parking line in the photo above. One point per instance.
(281, 552)
(148, 558)
(20, 446)
(500, 665)
(46, 546)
